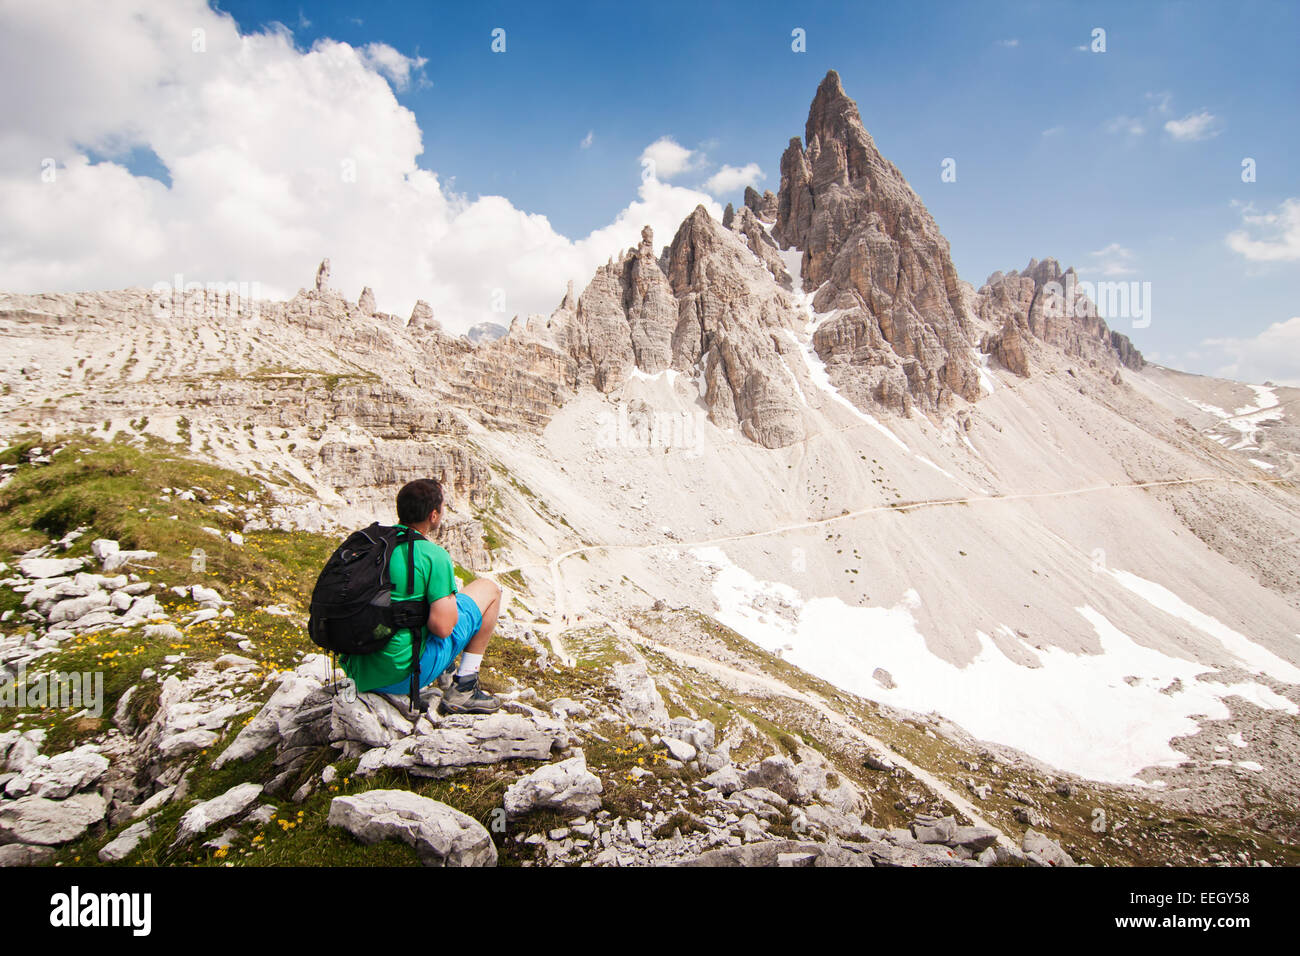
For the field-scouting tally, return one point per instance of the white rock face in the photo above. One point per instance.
(45, 822)
(101, 548)
(124, 844)
(679, 749)
(61, 775)
(230, 804)
(263, 730)
(462, 740)
(186, 742)
(49, 567)
(639, 696)
(567, 786)
(442, 836)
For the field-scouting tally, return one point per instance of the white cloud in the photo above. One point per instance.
(1271, 356)
(387, 61)
(1012, 42)
(1192, 127)
(1113, 260)
(588, 139)
(1270, 237)
(1054, 131)
(277, 158)
(728, 179)
(1131, 125)
(667, 158)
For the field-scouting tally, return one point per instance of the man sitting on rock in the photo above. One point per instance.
(460, 623)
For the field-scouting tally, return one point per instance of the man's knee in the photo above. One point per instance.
(484, 591)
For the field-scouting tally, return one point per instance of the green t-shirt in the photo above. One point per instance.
(435, 577)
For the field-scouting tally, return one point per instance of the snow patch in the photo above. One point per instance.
(1252, 655)
(1079, 712)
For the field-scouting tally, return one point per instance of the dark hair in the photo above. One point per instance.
(418, 500)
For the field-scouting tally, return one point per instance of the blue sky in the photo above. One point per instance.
(1059, 151)
(999, 87)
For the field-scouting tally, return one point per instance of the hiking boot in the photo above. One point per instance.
(464, 696)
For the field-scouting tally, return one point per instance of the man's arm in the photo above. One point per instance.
(441, 595)
(443, 615)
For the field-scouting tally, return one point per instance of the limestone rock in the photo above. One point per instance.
(900, 335)
(765, 207)
(45, 822)
(1041, 851)
(566, 786)
(232, 803)
(422, 317)
(639, 697)
(779, 853)
(61, 775)
(263, 730)
(49, 567)
(1043, 306)
(24, 854)
(727, 780)
(462, 740)
(125, 843)
(366, 301)
(442, 836)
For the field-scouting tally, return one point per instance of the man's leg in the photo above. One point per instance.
(464, 694)
(487, 595)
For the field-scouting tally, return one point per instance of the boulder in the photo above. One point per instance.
(1041, 851)
(462, 740)
(45, 822)
(700, 734)
(232, 803)
(727, 780)
(49, 567)
(24, 854)
(61, 775)
(934, 829)
(566, 786)
(263, 730)
(679, 749)
(638, 695)
(125, 843)
(441, 835)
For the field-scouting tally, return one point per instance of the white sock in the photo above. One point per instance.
(469, 664)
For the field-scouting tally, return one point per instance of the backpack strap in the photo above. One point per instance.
(417, 633)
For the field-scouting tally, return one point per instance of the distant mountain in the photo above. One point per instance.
(485, 332)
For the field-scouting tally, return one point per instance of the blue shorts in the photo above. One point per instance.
(439, 652)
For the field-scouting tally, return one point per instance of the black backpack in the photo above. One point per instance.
(352, 606)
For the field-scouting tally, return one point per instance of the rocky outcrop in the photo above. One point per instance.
(366, 301)
(566, 786)
(766, 207)
(422, 317)
(899, 335)
(706, 309)
(1043, 305)
(1006, 346)
(730, 316)
(747, 224)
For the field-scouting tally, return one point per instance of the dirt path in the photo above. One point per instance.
(554, 563)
